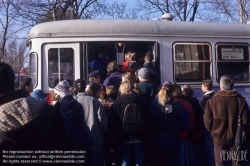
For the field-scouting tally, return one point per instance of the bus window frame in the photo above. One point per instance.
(59, 63)
(36, 55)
(232, 60)
(192, 43)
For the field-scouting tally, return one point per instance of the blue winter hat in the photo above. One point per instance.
(39, 94)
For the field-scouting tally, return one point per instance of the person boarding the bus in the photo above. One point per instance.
(145, 85)
(94, 112)
(114, 75)
(221, 118)
(166, 121)
(130, 121)
(94, 77)
(153, 76)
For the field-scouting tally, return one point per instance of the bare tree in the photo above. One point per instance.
(37, 11)
(237, 11)
(9, 24)
(118, 10)
(182, 10)
(16, 54)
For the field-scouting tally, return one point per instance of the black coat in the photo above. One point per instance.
(117, 117)
(205, 99)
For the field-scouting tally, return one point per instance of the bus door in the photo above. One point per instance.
(60, 62)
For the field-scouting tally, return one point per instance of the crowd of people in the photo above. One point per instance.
(128, 119)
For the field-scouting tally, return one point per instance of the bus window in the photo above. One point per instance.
(192, 62)
(60, 66)
(233, 59)
(33, 68)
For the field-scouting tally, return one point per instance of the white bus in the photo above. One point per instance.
(184, 52)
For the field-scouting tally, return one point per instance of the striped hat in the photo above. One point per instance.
(62, 88)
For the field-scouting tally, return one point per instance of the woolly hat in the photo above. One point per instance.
(39, 94)
(62, 88)
(143, 73)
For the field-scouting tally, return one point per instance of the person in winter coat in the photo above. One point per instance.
(26, 123)
(184, 141)
(114, 75)
(221, 118)
(166, 120)
(188, 95)
(133, 142)
(95, 115)
(130, 64)
(153, 75)
(207, 89)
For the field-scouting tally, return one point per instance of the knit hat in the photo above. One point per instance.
(39, 94)
(62, 88)
(143, 73)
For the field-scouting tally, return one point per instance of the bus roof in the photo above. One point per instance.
(101, 27)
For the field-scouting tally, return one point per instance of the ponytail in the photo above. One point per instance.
(163, 96)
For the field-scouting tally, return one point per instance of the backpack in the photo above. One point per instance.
(133, 118)
(186, 122)
(167, 116)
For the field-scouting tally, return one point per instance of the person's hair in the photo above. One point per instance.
(112, 67)
(208, 84)
(187, 91)
(25, 82)
(93, 89)
(130, 56)
(128, 76)
(227, 82)
(81, 87)
(165, 92)
(7, 78)
(103, 94)
(126, 87)
(177, 91)
(148, 57)
(111, 92)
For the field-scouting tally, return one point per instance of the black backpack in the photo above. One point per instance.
(133, 118)
(167, 116)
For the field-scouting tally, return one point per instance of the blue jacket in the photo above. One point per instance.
(114, 79)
